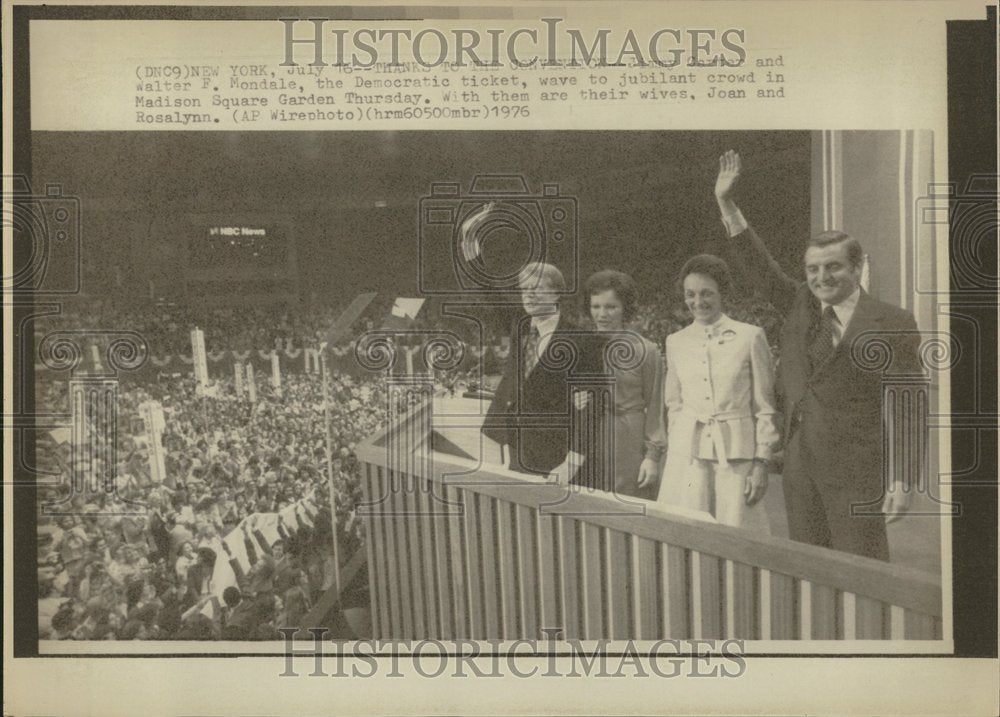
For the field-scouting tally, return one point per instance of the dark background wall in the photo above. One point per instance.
(349, 199)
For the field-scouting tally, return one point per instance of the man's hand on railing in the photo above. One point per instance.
(896, 503)
(647, 472)
(756, 483)
(566, 471)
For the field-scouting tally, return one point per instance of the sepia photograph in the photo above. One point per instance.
(510, 381)
(411, 344)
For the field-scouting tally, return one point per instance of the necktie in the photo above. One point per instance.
(822, 346)
(531, 350)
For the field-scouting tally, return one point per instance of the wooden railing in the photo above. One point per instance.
(461, 550)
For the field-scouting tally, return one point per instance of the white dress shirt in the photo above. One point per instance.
(844, 311)
(545, 326)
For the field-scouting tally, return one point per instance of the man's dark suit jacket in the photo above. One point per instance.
(835, 411)
(534, 415)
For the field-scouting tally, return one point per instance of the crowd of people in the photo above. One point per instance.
(166, 326)
(135, 563)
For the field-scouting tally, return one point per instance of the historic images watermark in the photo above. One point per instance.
(432, 658)
(545, 45)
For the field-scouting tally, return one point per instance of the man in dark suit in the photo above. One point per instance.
(534, 413)
(832, 402)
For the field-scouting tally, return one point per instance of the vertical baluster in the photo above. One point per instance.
(382, 514)
(593, 580)
(569, 582)
(850, 616)
(824, 613)
(507, 555)
(418, 592)
(428, 524)
(378, 564)
(707, 599)
(458, 587)
(442, 562)
(473, 557)
(740, 597)
(620, 586)
(527, 566)
(764, 606)
(897, 618)
(491, 587)
(400, 549)
(805, 610)
(645, 596)
(677, 588)
(871, 618)
(917, 626)
(548, 573)
(783, 612)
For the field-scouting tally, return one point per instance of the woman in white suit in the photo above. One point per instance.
(719, 396)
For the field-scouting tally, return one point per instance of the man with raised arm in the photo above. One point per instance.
(833, 425)
(534, 413)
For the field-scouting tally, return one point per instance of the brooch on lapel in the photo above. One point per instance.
(726, 336)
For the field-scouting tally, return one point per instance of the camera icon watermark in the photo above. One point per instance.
(479, 242)
(46, 239)
(969, 214)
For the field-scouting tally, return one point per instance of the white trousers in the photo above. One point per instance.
(714, 488)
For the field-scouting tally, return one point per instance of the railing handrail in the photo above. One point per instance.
(378, 439)
(898, 585)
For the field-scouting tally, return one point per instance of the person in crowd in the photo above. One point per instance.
(199, 576)
(833, 430)
(237, 619)
(720, 403)
(285, 574)
(179, 531)
(611, 298)
(71, 544)
(297, 602)
(64, 621)
(184, 561)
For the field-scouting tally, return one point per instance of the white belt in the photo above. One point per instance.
(712, 420)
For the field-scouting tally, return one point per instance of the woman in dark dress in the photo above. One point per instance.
(611, 300)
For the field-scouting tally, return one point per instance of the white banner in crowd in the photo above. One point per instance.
(238, 550)
(155, 424)
(238, 379)
(287, 517)
(262, 530)
(266, 524)
(410, 352)
(276, 373)
(200, 360)
(251, 383)
(95, 357)
(312, 360)
(223, 575)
